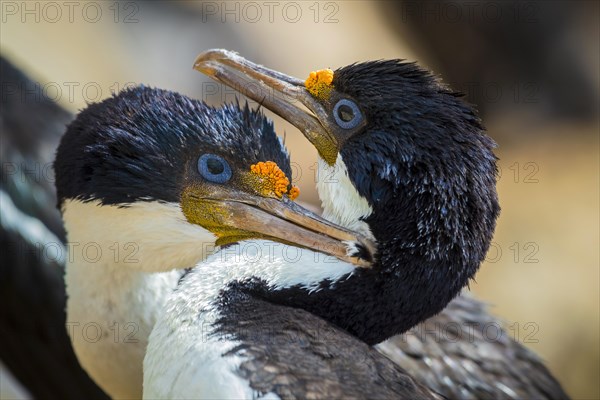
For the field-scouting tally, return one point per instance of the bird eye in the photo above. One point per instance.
(347, 114)
(214, 168)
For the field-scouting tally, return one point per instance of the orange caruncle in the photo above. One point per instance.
(318, 83)
(294, 192)
(274, 179)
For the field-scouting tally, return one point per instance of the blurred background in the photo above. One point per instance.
(531, 68)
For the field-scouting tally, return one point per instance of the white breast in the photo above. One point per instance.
(122, 265)
(183, 359)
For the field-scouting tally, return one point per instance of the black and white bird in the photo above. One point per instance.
(429, 203)
(149, 183)
(408, 162)
(468, 367)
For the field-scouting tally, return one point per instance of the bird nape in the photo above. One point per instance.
(408, 162)
(149, 183)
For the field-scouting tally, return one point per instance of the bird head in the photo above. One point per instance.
(412, 167)
(153, 179)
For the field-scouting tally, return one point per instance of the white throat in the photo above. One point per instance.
(122, 265)
(184, 360)
(341, 202)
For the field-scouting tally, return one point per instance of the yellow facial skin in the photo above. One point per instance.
(326, 148)
(210, 215)
(319, 85)
(206, 204)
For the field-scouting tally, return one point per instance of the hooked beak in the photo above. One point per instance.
(235, 215)
(280, 93)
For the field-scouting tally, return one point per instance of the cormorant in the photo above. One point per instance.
(149, 183)
(391, 138)
(429, 202)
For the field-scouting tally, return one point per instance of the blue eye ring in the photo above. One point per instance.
(214, 168)
(347, 114)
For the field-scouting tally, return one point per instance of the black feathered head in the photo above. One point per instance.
(175, 177)
(144, 145)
